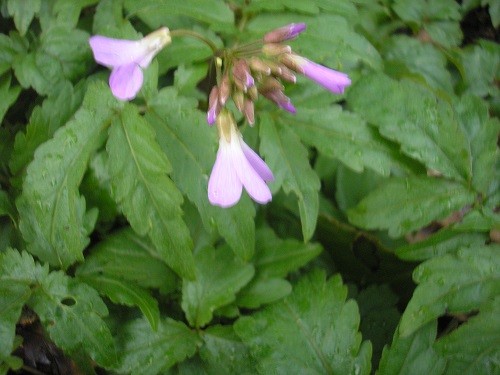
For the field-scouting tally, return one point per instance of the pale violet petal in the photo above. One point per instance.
(116, 52)
(330, 79)
(257, 163)
(224, 186)
(126, 81)
(253, 183)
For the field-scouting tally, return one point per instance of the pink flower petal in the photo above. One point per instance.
(224, 186)
(257, 163)
(253, 183)
(126, 81)
(330, 79)
(115, 52)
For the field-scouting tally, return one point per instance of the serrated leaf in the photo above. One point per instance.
(443, 242)
(453, 283)
(407, 53)
(412, 355)
(288, 159)
(72, 314)
(405, 204)
(482, 133)
(8, 93)
(52, 213)
(13, 296)
(55, 111)
(421, 11)
(219, 275)
(275, 257)
(142, 189)
(61, 55)
(473, 347)
(209, 11)
(124, 255)
(23, 12)
(313, 331)
(142, 351)
(345, 136)
(126, 293)
(263, 290)
(224, 353)
(192, 153)
(414, 117)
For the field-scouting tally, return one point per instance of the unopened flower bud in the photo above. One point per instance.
(241, 72)
(239, 100)
(291, 62)
(253, 93)
(248, 110)
(224, 89)
(273, 49)
(271, 84)
(287, 74)
(280, 99)
(260, 66)
(213, 105)
(284, 33)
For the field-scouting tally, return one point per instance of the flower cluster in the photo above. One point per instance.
(244, 77)
(243, 74)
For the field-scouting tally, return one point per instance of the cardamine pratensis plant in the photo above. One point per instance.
(242, 73)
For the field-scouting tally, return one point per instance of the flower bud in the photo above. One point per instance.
(239, 100)
(273, 49)
(213, 105)
(284, 33)
(260, 66)
(241, 72)
(248, 110)
(224, 89)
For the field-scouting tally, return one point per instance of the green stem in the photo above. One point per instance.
(194, 34)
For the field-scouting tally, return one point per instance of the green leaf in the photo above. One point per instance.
(144, 192)
(126, 293)
(263, 290)
(63, 54)
(152, 12)
(443, 242)
(23, 12)
(313, 331)
(345, 136)
(55, 111)
(482, 133)
(18, 274)
(52, 213)
(453, 283)
(72, 314)
(473, 347)
(192, 153)
(275, 257)
(413, 116)
(143, 351)
(13, 296)
(412, 355)
(289, 161)
(224, 353)
(421, 11)
(8, 94)
(126, 256)
(413, 56)
(405, 204)
(10, 47)
(479, 82)
(447, 34)
(218, 277)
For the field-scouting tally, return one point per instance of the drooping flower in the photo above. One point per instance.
(330, 79)
(236, 166)
(127, 59)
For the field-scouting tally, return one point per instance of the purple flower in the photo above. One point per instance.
(284, 33)
(127, 58)
(236, 166)
(330, 79)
